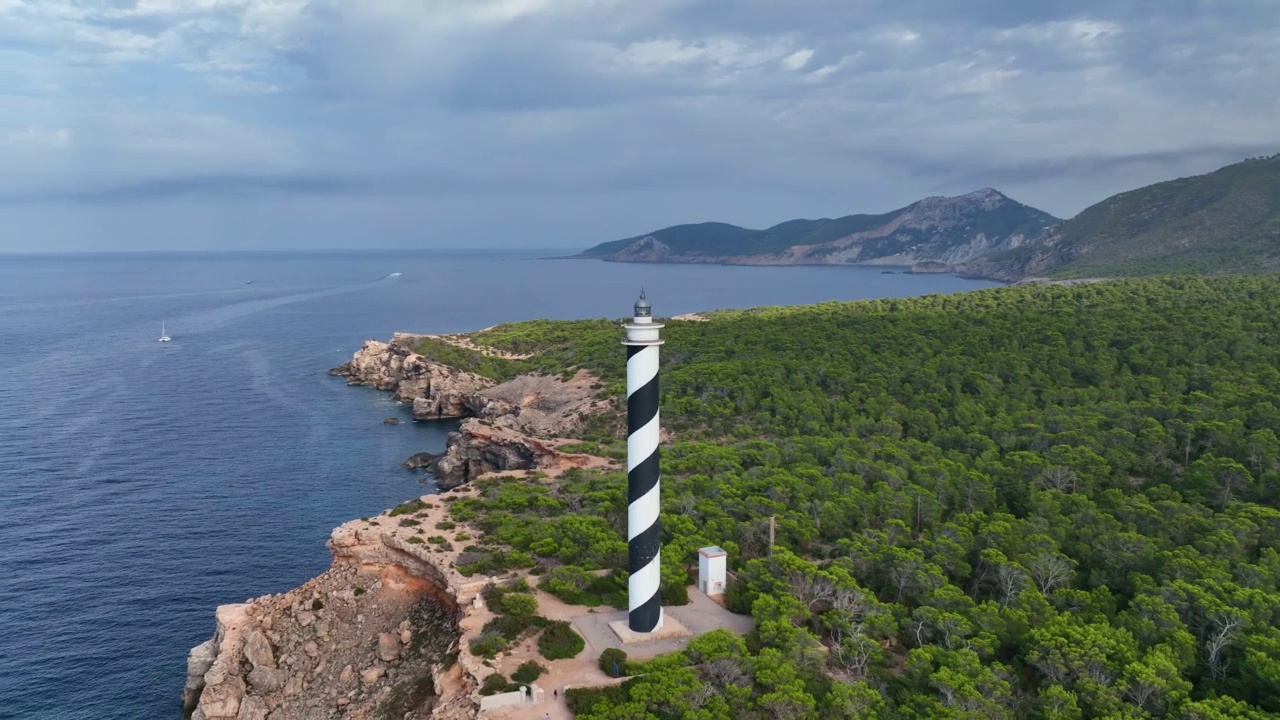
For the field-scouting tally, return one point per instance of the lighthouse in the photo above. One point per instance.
(643, 543)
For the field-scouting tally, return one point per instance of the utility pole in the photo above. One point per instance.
(772, 528)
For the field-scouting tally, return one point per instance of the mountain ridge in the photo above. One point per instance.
(1224, 221)
(942, 229)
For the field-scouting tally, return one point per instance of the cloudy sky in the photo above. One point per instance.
(184, 124)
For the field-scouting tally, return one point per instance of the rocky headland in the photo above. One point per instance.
(508, 426)
(377, 635)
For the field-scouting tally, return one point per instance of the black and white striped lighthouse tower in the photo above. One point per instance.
(643, 544)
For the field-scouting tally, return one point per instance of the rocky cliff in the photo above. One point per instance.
(433, 390)
(503, 418)
(370, 637)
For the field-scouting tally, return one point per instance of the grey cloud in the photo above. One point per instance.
(900, 98)
(969, 172)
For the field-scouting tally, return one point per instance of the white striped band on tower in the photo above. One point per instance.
(643, 530)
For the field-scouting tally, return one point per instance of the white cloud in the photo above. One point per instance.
(36, 138)
(797, 59)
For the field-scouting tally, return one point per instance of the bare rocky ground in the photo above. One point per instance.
(350, 643)
(375, 637)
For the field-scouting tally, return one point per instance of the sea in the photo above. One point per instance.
(142, 484)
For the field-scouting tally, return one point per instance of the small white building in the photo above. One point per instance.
(711, 570)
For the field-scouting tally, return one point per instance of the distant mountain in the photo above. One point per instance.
(934, 232)
(1227, 221)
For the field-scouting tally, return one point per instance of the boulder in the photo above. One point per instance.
(257, 650)
(265, 680)
(417, 461)
(388, 647)
(252, 709)
(221, 700)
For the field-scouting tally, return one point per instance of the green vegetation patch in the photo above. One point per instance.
(1026, 502)
(560, 641)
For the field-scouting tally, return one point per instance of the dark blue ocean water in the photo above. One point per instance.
(142, 484)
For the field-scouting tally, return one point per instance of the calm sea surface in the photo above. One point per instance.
(142, 484)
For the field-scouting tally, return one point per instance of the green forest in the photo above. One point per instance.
(1027, 502)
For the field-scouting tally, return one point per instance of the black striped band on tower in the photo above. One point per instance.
(643, 544)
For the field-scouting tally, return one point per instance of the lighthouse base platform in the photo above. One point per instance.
(668, 627)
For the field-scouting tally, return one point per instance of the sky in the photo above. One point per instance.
(281, 124)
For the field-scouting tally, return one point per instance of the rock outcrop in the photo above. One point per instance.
(503, 417)
(368, 638)
(478, 448)
(434, 391)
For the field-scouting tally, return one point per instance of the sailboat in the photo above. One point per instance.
(164, 337)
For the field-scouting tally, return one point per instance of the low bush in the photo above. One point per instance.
(528, 671)
(674, 594)
(510, 627)
(405, 508)
(519, 604)
(581, 700)
(495, 684)
(446, 525)
(559, 641)
(576, 586)
(613, 662)
(488, 645)
(415, 540)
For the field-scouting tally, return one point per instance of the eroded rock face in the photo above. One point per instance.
(434, 391)
(333, 648)
(479, 447)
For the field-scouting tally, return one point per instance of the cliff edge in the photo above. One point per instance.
(507, 425)
(375, 636)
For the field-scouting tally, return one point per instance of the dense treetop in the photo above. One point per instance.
(1042, 501)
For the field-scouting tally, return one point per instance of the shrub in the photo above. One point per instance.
(488, 644)
(317, 604)
(576, 586)
(409, 522)
(495, 684)
(446, 525)
(436, 539)
(359, 591)
(559, 641)
(461, 537)
(528, 671)
(511, 626)
(519, 604)
(405, 508)
(738, 598)
(613, 662)
(581, 700)
(674, 594)
(415, 540)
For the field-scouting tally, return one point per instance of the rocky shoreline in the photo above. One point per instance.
(377, 634)
(507, 426)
